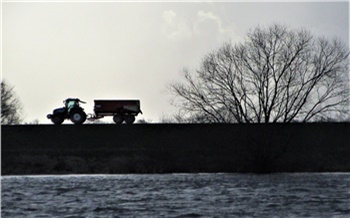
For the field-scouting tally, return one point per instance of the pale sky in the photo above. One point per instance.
(132, 50)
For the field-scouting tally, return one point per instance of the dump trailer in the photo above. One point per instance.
(120, 110)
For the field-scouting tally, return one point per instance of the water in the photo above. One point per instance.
(177, 195)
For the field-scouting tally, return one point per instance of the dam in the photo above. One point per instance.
(174, 148)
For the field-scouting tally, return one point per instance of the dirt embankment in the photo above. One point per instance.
(169, 148)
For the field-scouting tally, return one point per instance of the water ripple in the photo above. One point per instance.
(177, 195)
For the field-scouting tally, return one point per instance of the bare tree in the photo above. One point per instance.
(10, 105)
(276, 75)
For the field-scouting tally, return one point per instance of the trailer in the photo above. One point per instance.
(121, 110)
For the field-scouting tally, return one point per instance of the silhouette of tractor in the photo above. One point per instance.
(71, 110)
(121, 110)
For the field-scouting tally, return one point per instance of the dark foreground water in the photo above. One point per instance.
(177, 195)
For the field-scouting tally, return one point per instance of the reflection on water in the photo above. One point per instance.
(176, 195)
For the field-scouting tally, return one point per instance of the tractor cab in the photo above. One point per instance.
(71, 103)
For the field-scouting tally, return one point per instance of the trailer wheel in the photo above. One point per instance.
(78, 117)
(118, 119)
(57, 119)
(129, 119)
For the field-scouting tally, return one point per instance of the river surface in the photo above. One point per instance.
(177, 195)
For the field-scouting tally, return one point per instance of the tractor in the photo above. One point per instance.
(71, 110)
(120, 110)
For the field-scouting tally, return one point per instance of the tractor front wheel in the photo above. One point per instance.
(57, 119)
(78, 117)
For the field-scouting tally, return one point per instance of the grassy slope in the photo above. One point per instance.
(166, 148)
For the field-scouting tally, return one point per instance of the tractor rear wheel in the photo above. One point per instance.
(78, 117)
(129, 119)
(118, 119)
(57, 119)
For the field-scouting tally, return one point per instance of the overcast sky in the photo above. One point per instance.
(122, 50)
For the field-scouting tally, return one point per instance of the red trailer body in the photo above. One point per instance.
(121, 110)
(113, 107)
